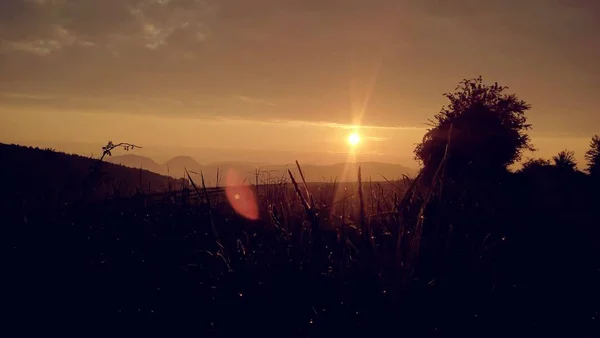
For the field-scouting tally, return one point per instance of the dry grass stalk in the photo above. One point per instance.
(415, 243)
(207, 198)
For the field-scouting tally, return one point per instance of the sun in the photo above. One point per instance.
(354, 139)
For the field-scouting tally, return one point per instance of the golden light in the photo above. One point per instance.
(354, 139)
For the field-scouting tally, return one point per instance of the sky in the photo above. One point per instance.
(286, 79)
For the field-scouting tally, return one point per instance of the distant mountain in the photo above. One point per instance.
(31, 173)
(138, 162)
(175, 167)
(239, 163)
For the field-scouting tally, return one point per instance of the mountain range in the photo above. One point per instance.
(176, 167)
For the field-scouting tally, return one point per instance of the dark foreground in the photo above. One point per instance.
(514, 258)
(111, 265)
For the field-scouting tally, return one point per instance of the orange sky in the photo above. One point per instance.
(287, 77)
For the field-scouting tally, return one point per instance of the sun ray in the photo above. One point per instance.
(361, 95)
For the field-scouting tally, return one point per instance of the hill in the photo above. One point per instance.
(177, 165)
(34, 173)
(139, 162)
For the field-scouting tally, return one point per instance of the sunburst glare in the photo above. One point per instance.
(354, 139)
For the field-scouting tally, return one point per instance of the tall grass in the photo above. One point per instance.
(333, 257)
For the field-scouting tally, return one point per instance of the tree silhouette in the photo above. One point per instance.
(565, 160)
(592, 157)
(488, 134)
(535, 163)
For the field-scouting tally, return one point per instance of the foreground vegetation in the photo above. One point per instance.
(466, 247)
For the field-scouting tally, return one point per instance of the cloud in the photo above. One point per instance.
(38, 47)
(376, 139)
(343, 126)
(290, 60)
(22, 96)
(322, 124)
(105, 23)
(255, 100)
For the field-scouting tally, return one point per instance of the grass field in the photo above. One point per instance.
(345, 259)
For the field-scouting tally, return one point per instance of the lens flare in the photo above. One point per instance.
(240, 195)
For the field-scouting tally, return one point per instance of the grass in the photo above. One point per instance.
(345, 259)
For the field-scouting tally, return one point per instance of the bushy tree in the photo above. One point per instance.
(488, 130)
(565, 160)
(534, 163)
(592, 157)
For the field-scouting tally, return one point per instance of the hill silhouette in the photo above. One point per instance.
(32, 173)
(176, 166)
(139, 162)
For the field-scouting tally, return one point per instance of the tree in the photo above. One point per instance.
(592, 156)
(565, 160)
(534, 163)
(488, 130)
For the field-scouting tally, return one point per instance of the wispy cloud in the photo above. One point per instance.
(38, 47)
(57, 37)
(177, 107)
(11, 95)
(255, 100)
(304, 123)
(341, 125)
(46, 26)
(376, 138)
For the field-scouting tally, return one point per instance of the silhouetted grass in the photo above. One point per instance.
(343, 259)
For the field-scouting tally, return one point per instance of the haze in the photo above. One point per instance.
(276, 81)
